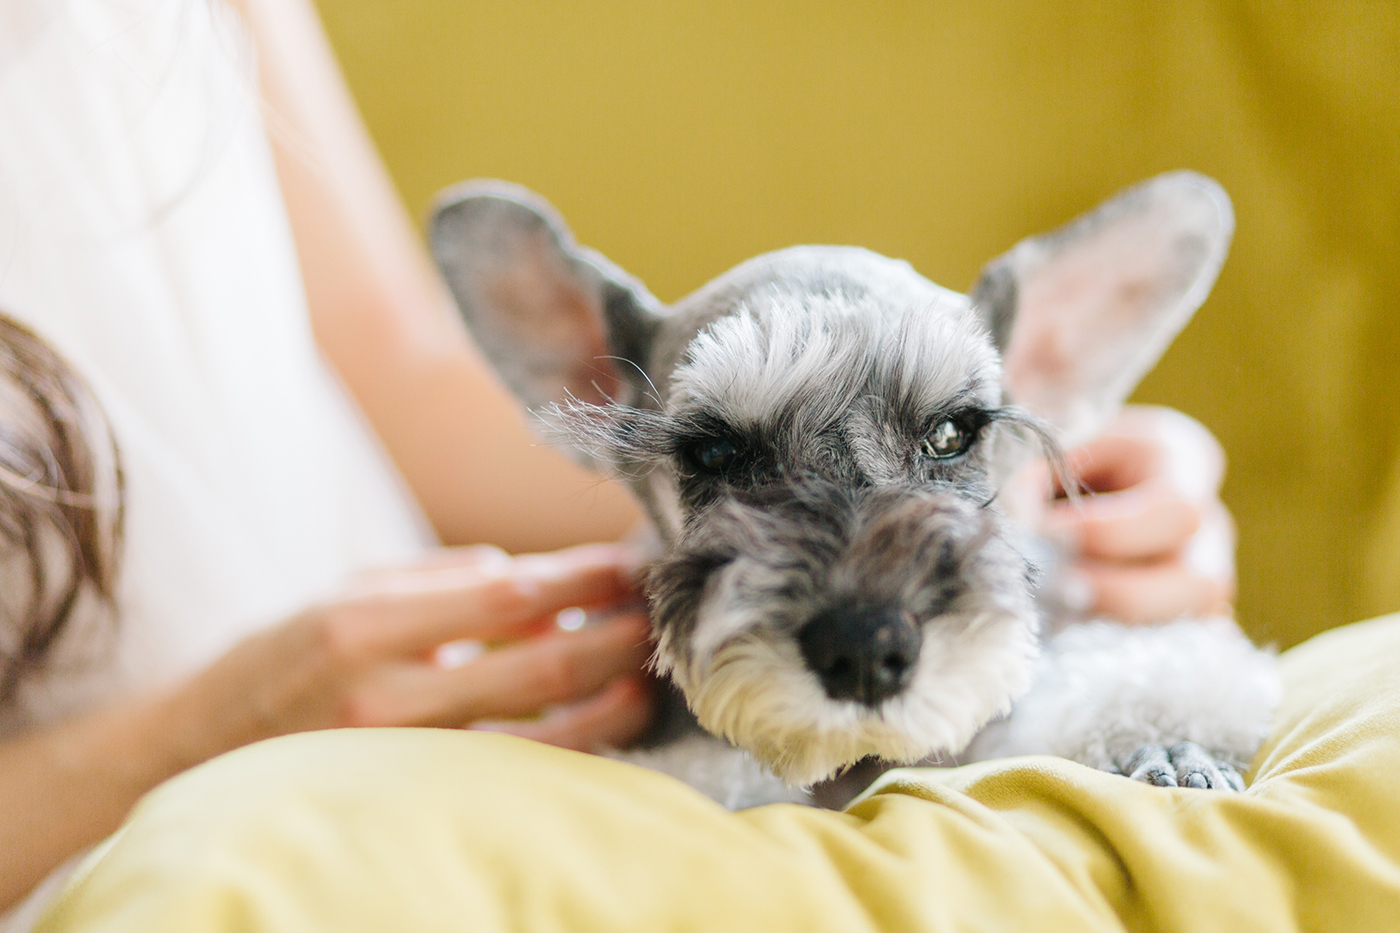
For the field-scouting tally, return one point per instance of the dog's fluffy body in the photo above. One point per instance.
(820, 435)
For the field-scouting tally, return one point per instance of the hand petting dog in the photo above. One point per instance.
(1149, 540)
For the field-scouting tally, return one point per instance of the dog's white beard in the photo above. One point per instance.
(757, 692)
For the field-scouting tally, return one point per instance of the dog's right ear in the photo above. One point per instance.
(559, 323)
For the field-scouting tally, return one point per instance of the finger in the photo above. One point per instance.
(1144, 523)
(440, 563)
(1113, 462)
(416, 612)
(435, 559)
(475, 555)
(507, 683)
(1147, 593)
(561, 668)
(614, 718)
(1154, 538)
(1146, 442)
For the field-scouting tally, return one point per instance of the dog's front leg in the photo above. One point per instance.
(1181, 704)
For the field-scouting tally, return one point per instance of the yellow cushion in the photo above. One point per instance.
(441, 830)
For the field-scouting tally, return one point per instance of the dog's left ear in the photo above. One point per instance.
(1081, 314)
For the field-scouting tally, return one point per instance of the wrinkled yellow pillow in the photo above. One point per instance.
(442, 830)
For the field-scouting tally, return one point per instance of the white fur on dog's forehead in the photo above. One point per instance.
(826, 350)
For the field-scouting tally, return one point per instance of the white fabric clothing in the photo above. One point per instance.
(143, 234)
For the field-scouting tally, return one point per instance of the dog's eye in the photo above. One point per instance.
(947, 440)
(714, 455)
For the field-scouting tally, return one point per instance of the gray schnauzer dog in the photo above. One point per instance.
(819, 436)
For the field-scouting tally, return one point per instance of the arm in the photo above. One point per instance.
(363, 659)
(67, 786)
(386, 323)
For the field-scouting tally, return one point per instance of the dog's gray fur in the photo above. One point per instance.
(783, 427)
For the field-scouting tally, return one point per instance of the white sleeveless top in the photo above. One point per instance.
(143, 234)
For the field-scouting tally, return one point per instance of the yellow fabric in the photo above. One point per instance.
(439, 830)
(682, 138)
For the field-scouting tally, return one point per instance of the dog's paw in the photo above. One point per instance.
(1185, 764)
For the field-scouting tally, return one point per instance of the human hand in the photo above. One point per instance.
(371, 656)
(1151, 541)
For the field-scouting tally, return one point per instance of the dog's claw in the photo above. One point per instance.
(1151, 765)
(1184, 764)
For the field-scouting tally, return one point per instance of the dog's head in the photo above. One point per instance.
(819, 435)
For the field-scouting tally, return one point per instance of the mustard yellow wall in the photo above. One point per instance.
(682, 138)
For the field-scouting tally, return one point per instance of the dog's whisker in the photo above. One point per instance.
(655, 395)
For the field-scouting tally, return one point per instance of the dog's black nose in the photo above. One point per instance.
(861, 651)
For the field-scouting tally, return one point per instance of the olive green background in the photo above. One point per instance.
(680, 139)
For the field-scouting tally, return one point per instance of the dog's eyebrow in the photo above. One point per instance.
(700, 424)
(918, 416)
(623, 434)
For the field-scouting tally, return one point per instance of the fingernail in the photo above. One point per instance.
(485, 555)
(537, 566)
(581, 556)
(571, 620)
(456, 653)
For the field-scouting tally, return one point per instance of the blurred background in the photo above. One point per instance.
(680, 139)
